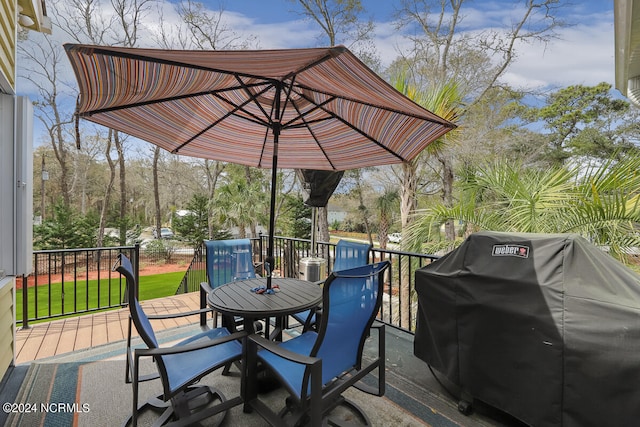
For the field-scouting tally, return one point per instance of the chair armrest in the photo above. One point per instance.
(163, 351)
(282, 352)
(204, 287)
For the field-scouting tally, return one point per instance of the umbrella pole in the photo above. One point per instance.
(270, 260)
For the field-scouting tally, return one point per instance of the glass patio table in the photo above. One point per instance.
(238, 298)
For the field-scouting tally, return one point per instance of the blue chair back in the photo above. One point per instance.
(351, 299)
(350, 255)
(138, 316)
(228, 260)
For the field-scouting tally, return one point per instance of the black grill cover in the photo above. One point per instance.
(543, 327)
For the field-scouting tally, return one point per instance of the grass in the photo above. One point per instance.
(56, 299)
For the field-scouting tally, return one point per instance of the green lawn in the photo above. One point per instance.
(92, 294)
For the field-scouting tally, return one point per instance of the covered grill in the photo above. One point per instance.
(543, 327)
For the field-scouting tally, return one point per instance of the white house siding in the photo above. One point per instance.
(7, 330)
(7, 45)
(8, 36)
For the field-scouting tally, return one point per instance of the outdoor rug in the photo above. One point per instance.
(87, 388)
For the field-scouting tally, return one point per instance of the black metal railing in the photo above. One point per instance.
(399, 301)
(195, 274)
(72, 281)
(78, 281)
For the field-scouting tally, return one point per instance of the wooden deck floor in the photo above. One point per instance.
(48, 339)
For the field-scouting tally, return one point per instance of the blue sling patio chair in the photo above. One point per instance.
(317, 367)
(348, 255)
(179, 366)
(226, 260)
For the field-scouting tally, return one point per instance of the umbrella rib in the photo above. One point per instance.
(92, 50)
(288, 97)
(254, 97)
(252, 117)
(269, 124)
(158, 101)
(301, 116)
(230, 113)
(264, 146)
(368, 104)
(257, 120)
(197, 135)
(333, 52)
(346, 123)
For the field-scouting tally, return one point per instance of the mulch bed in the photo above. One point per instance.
(145, 270)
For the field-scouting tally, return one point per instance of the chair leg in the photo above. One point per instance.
(127, 378)
(227, 369)
(315, 412)
(134, 415)
(186, 408)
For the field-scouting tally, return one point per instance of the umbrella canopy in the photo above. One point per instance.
(318, 108)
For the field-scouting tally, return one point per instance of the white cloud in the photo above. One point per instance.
(289, 34)
(583, 54)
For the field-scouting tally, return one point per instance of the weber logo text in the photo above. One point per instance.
(511, 250)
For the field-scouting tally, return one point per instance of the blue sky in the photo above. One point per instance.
(582, 54)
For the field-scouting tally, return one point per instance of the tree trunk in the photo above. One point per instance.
(408, 193)
(322, 224)
(108, 191)
(212, 182)
(383, 230)
(60, 152)
(408, 205)
(363, 209)
(156, 192)
(322, 230)
(447, 193)
(123, 188)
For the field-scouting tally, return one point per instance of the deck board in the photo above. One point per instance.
(84, 332)
(99, 333)
(50, 341)
(57, 337)
(68, 336)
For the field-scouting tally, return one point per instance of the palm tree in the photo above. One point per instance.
(601, 202)
(443, 99)
(386, 204)
(240, 203)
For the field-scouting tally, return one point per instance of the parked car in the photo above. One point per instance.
(394, 237)
(165, 233)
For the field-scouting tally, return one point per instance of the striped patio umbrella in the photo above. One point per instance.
(318, 108)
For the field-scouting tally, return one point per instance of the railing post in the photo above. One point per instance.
(136, 268)
(25, 303)
(260, 250)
